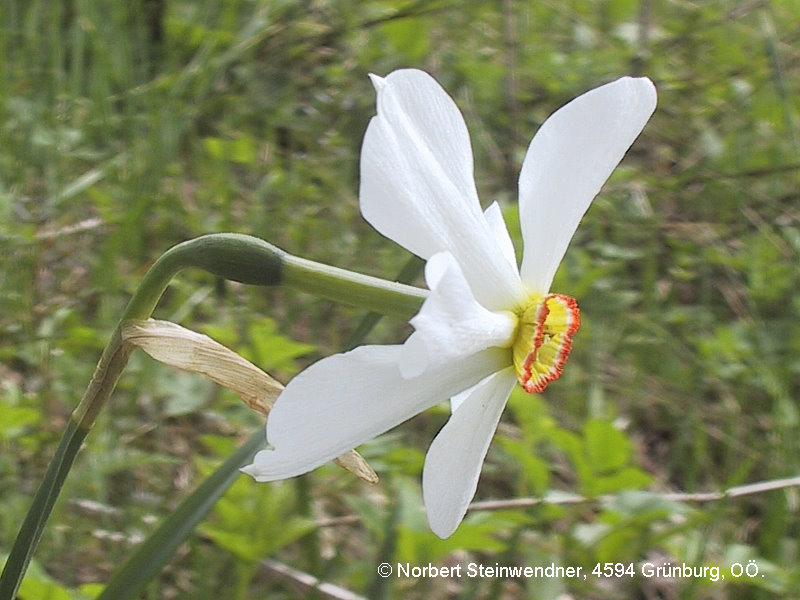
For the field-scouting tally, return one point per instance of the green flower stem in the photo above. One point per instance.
(237, 257)
(373, 294)
(232, 256)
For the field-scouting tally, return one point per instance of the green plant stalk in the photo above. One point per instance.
(237, 257)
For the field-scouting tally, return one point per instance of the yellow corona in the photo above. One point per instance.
(544, 339)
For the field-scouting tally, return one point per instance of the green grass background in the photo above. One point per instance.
(127, 127)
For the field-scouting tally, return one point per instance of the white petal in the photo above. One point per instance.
(494, 216)
(567, 163)
(459, 398)
(346, 399)
(451, 323)
(454, 460)
(417, 184)
(378, 82)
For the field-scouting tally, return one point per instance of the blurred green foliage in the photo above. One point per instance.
(128, 127)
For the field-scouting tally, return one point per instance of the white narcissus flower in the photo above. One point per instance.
(486, 324)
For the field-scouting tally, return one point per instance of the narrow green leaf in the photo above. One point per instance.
(154, 553)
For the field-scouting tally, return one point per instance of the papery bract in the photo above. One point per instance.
(194, 352)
